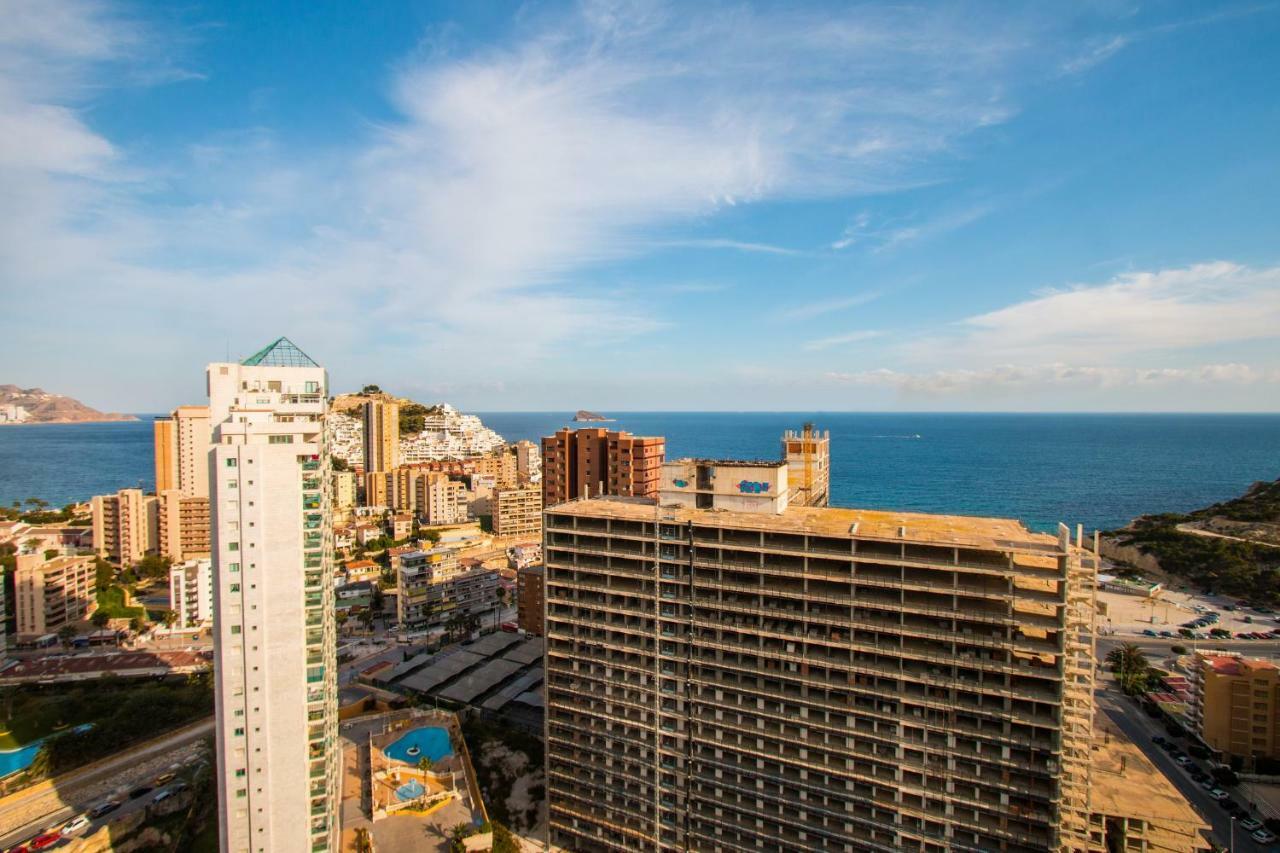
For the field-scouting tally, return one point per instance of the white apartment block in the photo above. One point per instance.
(191, 593)
(432, 586)
(276, 695)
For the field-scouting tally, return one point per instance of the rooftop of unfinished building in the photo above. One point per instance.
(1124, 783)
(1004, 534)
(727, 463)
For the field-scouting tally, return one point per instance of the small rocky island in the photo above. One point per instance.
(584, 415)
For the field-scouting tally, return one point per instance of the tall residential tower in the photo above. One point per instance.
(592, 461)
(744, 675)
(276, 696)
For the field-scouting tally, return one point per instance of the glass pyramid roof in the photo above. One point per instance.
(280, 353)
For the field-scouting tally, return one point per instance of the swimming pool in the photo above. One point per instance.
(429, 742)
(13, 760)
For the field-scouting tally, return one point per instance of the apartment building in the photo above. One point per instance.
(814, 678)
(182, 451)
(183, 526)
(191, 593)
(49, 594)
(381, 448)
(1234, 705)
(344, 491)
(528, 462)
(276, 696)
(126, 525)
(433, 586)
(500, 464)
(807, 453)
(581, 462)
(529, 600)
(517, 512)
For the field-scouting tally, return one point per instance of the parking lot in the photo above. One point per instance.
(1169, 614)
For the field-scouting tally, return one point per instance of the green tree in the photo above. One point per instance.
(135, 625)
(100, 618)
(105, 574)
(152, 566)
(66, 634)
(169, 617)
(1130, 666)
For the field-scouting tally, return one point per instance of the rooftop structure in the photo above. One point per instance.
(281, 352)
(591, 461)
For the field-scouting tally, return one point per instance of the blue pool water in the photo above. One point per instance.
(13, 760)
(429, 742)
(410, 790)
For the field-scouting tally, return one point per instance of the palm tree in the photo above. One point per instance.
(67, 633)
(1130, 666)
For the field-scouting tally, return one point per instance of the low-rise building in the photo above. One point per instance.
(529, 600)
(49, 594)
(517, 512)
(191, 593)
(1234, 705)
(526, 554)
(432, 586)
(366, 533)
(356, 571)
(400, 526)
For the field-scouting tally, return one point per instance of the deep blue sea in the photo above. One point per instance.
(1099, 470)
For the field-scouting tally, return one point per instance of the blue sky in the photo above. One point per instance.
(639, 205)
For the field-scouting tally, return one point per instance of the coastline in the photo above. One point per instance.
(122, 419)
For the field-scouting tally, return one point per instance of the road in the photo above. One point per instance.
(27, 812)
(1157, 648)
(1141, 729)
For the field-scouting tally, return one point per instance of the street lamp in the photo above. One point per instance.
(1232, 846)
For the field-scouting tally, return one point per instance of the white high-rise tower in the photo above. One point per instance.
(276, 662)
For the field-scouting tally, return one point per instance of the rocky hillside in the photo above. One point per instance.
(41, 407)
(1231, 547)
(412, 415)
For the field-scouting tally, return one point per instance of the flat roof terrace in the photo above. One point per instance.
(999, 534)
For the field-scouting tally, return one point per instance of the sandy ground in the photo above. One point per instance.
(1131, 614)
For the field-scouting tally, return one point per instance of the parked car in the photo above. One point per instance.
(1149, 633)
(163, 779)
(1228, 804)
(1209, 784)
(162, 796)
(1158, 740)
(140, 791)
(1262, 837)
(45, 841)
(1251, 823)
(1183, 760)
(1218, 794)
(103, 809)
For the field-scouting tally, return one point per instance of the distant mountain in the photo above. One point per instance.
(584, 415)
(37, 406)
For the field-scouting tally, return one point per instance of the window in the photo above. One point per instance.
(239, 772)
(231, 484)
(233, 567)
(235, 587)
(239, 732)
(235, 629)
(280, 439)
(312, 387)
(242, 792)
(233, 546)
(231, 463)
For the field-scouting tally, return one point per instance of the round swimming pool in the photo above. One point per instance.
(429, 742)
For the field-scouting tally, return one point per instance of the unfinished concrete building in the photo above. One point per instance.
(814, 679)
(807, 453)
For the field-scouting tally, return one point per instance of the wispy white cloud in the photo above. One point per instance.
(865, 231)
(1135, 313)
(479, 209)
(736, 245)
(846, 338)
(1095, 54)
(829, 306)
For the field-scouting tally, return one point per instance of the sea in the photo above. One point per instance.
(1099, 470)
